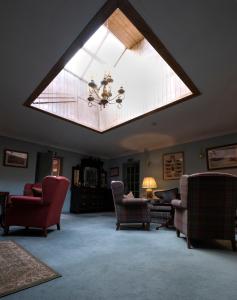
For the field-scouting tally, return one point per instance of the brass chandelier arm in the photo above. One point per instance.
(93, 91)
(117, 95)
(103, 95)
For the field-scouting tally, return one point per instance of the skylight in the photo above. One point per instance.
(122, 51)
(99, 54)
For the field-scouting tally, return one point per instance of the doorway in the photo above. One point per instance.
(131, 177)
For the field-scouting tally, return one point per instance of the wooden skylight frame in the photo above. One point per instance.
(99, 19)
(123, 29)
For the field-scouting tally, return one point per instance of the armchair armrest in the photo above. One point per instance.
(176, 203)
(155, 201)
(26, 200)
(135, 202)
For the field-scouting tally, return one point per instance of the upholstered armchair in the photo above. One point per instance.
(134, 210)
(207, 207)
(41, 212)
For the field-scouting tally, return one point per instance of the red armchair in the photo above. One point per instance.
(41, 212)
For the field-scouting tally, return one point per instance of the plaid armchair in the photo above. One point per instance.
(134, 210)
(207, 207)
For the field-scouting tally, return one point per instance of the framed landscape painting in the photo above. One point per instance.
(222, 157)
(14, 158)
(173, 165)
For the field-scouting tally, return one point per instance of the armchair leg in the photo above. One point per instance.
(6, 230)
(233, 245)
(117, 226)
(177, 233)
(45, 233)
(148, 226)
(189, 243)
(58, 226)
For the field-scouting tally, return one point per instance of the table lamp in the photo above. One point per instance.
(149, 183)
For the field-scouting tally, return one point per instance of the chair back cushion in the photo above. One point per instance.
(211, 201)
(166, 196)
(54, 189)
(183, 186)
(117, 188)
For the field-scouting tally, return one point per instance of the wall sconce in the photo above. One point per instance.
(202, 154)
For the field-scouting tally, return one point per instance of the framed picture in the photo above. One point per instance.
(14, 158)
(222, 157)
(173, 165)
(114, 172)
(57, 166)
(76, 177)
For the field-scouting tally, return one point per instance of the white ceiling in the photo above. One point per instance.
(201, 35)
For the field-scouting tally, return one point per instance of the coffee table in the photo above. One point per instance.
(3, 203)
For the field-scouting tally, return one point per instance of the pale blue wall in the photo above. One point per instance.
(13, 179)
(193, 162)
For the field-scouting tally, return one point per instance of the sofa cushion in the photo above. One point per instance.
(26, 200)
(134, 202)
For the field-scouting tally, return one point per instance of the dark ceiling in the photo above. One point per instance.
(201, 36)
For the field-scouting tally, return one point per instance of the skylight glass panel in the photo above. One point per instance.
(96, 56)
(79, 63)
(105, 53)
(95, 71)
(96, 39)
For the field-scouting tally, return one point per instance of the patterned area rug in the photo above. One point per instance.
(20, 270)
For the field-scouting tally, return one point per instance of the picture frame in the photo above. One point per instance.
(114, 172)
(13, 158)
(76, 176)
(57, 166)
(173, 165)
(222, 157)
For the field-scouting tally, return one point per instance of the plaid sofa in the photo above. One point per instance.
(207, 207)
(134, 210)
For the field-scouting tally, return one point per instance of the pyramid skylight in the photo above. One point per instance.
(119, 48)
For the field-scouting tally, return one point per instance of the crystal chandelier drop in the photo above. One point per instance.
(102, 95)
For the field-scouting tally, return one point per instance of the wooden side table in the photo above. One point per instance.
(3, 203)
(167, 208)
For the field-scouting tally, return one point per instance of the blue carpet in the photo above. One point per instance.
(97, 263)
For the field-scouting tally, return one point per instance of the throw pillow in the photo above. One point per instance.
(167, 196)
(129, 195)
(37, 192)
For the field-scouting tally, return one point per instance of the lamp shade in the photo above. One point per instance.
(149, 183)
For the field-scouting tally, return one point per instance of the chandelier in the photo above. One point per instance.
(102, 95)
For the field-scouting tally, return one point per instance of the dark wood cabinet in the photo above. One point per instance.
(89, 192)
(85, 199)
